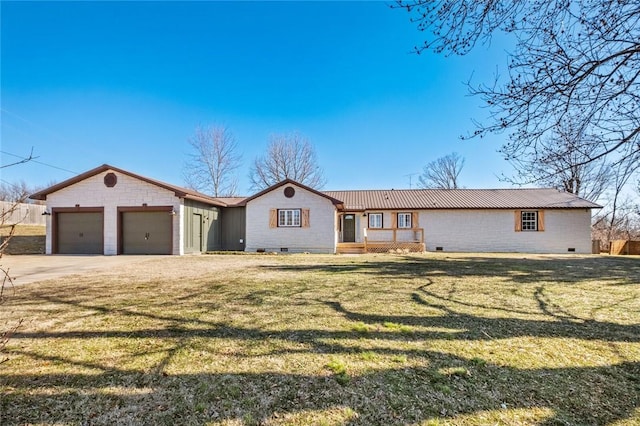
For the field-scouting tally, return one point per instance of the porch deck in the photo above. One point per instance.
(379, 247)
(386, 240)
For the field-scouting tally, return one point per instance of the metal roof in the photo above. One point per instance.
(232, 201)
(460, 199)
(379, 199)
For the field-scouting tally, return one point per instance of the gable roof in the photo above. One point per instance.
(179, 192)
(461, 199)
(335, 201)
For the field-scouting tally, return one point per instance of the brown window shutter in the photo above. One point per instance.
(414, 219)
(518, 217)
(273, 218)
(394, 220)
(305, 218)
(540, 220)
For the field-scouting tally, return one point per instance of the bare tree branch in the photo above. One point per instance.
(213, 161)
(5, 278)
(575, 60)
(442, 173)
(565, 161)
(289, 156)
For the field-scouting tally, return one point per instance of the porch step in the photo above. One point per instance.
(350, 248)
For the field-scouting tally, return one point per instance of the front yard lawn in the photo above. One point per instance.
(329, 340)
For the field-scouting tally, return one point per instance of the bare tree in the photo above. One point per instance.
(563, 161)
(5, 279)
(289, 156)
(577, 59)
(442, 173)
(213, 161)
(17, 192)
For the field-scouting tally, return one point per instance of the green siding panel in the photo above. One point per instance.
(201, 227)
(233, 228)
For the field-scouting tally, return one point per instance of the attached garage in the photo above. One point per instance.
(78, 231)
(146, 232)
(111, 211)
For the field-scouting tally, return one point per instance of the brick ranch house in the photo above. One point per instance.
(112, 211)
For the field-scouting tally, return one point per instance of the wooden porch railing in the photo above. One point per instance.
(386, 239)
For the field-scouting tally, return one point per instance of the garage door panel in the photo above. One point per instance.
(80, 233)
(147, 233)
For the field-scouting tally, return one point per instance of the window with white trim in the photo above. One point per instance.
(375, 220)
(529, 220)
(290, 217)
(404, 220)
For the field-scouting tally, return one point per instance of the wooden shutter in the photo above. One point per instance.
(305, 218)
(414, 219)
(273, 218)
(540, 220)
(394, 220)
(518, 217)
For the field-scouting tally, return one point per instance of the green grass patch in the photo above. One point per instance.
(329, 340)
(398, 327)
(361, 327)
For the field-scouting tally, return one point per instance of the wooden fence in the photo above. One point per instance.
(624, 247)
(24, 214)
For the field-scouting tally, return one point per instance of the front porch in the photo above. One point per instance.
(379, 247)
(386, 240)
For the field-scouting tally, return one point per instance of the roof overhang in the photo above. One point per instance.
(339, 204)
(179, 192)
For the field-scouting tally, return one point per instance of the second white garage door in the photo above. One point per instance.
(147, 232)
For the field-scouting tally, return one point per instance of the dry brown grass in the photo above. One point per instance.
(24, 230)
(330, 340)
(27, 239)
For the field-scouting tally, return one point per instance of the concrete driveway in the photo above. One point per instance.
(26, 269)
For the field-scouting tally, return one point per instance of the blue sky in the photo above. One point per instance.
(126, 83)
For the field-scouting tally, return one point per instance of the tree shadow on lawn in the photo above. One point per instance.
(525, 269)
(444, 386)
(466, 326)
(422, 384)
(448, 387)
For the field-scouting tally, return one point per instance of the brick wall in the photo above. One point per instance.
(494, 231)
(319, 237)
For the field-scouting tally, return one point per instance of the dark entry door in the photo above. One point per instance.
(146, 233)
(349, 228)
(197, 232)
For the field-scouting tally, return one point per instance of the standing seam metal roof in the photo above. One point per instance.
(548, 198)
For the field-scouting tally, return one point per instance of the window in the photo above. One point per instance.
(375, 220)
(289, 217)
(530, 221)
(404, 220)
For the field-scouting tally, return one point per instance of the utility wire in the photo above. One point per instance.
(25, 159)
